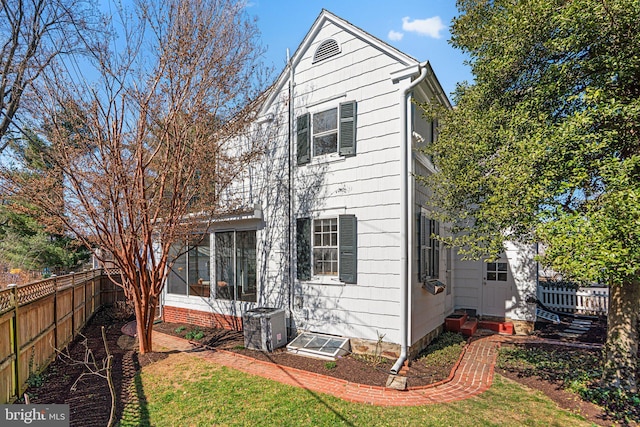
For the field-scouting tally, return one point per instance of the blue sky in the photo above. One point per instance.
(419, 28)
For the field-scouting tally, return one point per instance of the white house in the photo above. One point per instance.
(337, 229)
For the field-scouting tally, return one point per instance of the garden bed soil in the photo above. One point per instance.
(359, 369)
(90, 401)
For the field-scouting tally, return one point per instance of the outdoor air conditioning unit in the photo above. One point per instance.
(264, 328)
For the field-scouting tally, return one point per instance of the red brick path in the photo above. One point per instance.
(472, 375)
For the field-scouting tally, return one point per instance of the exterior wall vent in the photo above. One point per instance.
(327, 49)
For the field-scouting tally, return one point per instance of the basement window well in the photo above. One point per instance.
(326, 347)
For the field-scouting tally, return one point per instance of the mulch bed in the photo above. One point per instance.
(90, 401)
(354, 368)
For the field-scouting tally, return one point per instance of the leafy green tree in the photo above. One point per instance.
(25, 244)
(544, 146)
(28, 239)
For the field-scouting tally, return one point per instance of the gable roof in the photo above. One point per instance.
(324, 17)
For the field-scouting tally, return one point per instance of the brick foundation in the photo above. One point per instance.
(201, 318)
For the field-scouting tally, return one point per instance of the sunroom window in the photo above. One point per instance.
(190, 274)
(235, 262)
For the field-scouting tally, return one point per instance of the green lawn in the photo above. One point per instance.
(184, 390)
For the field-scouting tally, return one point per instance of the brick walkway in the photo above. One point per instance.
(471, 376)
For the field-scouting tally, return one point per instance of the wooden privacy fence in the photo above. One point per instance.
(580, 300)
(40, 317)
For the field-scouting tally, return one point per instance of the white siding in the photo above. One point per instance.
(427, 310)
(366, 185)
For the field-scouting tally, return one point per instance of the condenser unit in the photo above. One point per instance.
(264, 328)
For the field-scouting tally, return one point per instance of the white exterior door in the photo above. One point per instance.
(497, 289)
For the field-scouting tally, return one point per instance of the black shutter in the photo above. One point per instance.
(347, 139)
(303, 139)
(419, 226)
(303, 248)
(348, 248)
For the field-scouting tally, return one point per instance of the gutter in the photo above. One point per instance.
(404, 218)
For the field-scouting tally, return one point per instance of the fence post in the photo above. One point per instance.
(73, 310)
(55, 312)
(16, 336)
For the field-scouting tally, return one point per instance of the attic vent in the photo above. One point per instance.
(327, 49)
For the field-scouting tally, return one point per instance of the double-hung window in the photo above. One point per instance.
(326, 132)
(428, 248)
(327, 247)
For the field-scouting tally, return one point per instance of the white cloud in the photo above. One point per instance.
(395, 35)
(425, 27)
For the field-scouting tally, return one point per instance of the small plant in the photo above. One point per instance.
(377, 356)
(179, 329)
(194, 334)
(330, 365)
(35, 379)
(238, 347)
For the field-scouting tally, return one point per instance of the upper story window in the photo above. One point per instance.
(326, 132)
(326, 49)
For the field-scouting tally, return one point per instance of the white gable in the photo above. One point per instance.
(355, 45)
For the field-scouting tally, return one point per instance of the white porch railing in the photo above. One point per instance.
(589, 300)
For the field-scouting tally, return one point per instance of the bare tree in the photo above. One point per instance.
(150, 150)
(32, 34)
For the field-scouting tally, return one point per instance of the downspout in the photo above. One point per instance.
(291, 192)
(404, 218)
